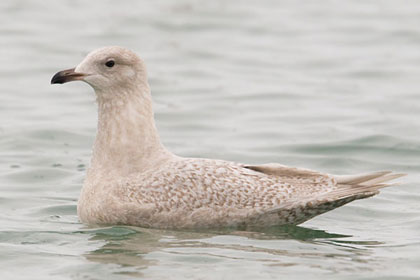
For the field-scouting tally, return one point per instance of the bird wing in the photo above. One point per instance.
(293, 175)
(282, 170)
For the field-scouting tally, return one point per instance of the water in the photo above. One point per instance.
(331, 85)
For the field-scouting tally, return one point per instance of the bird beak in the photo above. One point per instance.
(67, 76)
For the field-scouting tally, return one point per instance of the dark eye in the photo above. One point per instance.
(110, 63)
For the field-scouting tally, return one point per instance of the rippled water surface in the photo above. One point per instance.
(328, 85)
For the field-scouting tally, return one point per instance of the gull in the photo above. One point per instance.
(134, 180)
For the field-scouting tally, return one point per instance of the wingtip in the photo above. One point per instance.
(385, 178)
(360, 178)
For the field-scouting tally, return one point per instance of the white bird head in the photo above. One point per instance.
(107, 69)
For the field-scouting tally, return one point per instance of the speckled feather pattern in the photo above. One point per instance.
(134, 180)
(191, 193)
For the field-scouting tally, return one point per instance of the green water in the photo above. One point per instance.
(327, 85)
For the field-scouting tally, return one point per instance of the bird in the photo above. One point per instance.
(133, 179)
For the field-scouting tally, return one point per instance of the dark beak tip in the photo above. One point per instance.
(57, 79)
(66, 76)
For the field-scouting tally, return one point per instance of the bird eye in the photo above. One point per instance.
(110, 63)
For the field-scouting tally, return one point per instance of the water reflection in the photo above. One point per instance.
(135, 249)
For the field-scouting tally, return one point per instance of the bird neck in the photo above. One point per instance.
(127, 140)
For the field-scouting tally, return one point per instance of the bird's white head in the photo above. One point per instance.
(108, 70)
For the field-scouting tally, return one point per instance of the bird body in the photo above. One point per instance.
(206, 193)
(134, 180)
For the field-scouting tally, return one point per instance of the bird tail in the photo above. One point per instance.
(352, 187)
(348, 188)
